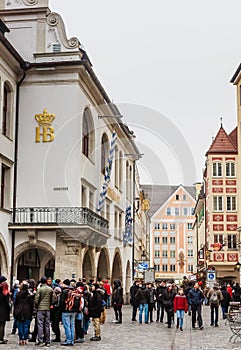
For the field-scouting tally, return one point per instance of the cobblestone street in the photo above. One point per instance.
(130, 335)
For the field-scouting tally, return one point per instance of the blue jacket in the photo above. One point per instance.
(195, 296)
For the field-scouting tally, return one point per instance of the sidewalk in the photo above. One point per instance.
(132, 335)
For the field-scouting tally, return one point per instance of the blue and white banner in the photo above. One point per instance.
(107, 175)
(127, 236)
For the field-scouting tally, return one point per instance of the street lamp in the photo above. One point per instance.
(237, 266)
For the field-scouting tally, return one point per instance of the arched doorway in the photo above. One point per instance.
(88, 270)
(103, 266)
(3, 258)
(49, 268)
(28, 265)
(116, 268)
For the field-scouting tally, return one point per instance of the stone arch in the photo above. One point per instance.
(117, 267)
(88, 266)
(3, 257)
(103, 267)
(44, 250)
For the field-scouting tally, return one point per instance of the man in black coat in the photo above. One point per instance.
(133, 290)
(95, 309)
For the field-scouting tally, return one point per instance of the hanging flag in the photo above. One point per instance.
(127, 236)
(107, 175)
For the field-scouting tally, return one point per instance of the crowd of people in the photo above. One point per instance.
(38, 307)
(189, 297)
(49, 303)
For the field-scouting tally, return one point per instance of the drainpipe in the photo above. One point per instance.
(15, 171)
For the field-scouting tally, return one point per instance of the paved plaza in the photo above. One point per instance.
(130, 335)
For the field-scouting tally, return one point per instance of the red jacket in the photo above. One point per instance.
(108, 288)
(230, 291)
(180, 303)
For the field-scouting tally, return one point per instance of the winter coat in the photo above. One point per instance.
(195, 296)
(133, 291)
(168, 300)
(226, 298)
(152, 296)
(24, 299)
(159, 292)
(142, 296)
(180, 303)
(95, 304)
(117, 296)
(44, 298)
(217, 291)
(5, 307)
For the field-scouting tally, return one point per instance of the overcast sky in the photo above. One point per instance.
(167, 64)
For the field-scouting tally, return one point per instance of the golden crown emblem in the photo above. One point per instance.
(45, 118)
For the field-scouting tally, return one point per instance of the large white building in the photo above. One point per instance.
(59, 128)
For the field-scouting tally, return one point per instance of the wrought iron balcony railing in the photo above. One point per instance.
(60, 216)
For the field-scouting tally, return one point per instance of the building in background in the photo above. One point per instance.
(220, 195)
(172, 239)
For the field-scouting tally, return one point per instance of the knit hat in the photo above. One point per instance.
(66, 282)
(2, 279)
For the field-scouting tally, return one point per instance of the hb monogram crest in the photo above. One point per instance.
(44, 130)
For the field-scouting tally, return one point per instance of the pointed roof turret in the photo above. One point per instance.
(223, 143)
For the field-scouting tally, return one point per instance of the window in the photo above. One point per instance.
(176, 211)
(231, 203)
(120, 170)
(232, 241)
(164, 240)
(217, 203)
(172, 226)
(88, 135)
(169, 212)
(172, 268)
(172, 254)
(230, 169)
(172, 240)
(189, 225)
(91, 200)
(157, 267)
(185, 211)
(190, 253)
(218, 238)
(164, 268)
(6, 118)
(157, 253)
(190, 240)
(184, 197)
(157, 226)
(177, 197)
(84, 196)
(5, 186)
(190, 268)
(116, 167)
(157, 240)
(164, 253)
(192, 211)
(217, 169)
(164, 226)
(104, 152)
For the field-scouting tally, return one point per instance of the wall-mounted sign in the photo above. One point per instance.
(44, 129)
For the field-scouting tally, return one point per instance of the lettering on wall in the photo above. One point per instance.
(44, 130)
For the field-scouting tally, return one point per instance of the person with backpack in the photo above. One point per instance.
(70, 303)
(117, 301)
(55, 315)
(143, 296)
(214, 297)
(195, 299)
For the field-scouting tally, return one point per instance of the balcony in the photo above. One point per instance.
(82, 223)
